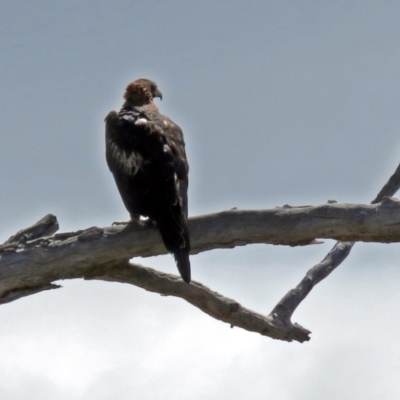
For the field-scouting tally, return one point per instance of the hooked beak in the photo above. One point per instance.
(158, 94)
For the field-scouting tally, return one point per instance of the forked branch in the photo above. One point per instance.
(283, 311)
(32, 260)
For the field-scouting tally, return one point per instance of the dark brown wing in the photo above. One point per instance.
(134, 153)
(173, 227)
(129, 144)
(176, 143)
(146, 150)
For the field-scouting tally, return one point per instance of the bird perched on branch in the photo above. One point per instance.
(145, 151)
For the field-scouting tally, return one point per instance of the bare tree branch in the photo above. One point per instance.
(30, 263)
(390, 188)
(208, 301)
(283, 311)
(46, 226)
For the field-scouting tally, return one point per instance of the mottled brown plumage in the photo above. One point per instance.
(145, 151)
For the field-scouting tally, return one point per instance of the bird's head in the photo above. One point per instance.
(141, 92)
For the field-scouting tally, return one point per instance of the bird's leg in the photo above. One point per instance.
(135, 218)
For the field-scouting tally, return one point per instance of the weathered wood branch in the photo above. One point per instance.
(283, 311)
(30, 263)
(210, 302)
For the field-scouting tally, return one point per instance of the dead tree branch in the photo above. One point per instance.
(31, 262)
(283, 311)
(208, 301)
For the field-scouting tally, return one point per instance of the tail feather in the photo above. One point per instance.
(175, 235)
(183, 264)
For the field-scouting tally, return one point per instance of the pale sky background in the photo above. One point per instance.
(281, 102)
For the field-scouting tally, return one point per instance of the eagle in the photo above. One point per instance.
(145, 151)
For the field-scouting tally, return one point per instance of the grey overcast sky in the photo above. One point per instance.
(281, 102)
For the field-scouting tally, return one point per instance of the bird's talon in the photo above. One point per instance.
(118, 223)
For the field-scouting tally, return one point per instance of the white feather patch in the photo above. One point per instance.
(141, 121)
(129, 162)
